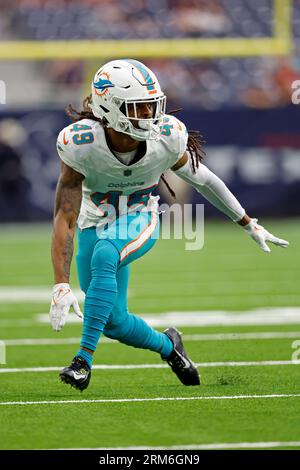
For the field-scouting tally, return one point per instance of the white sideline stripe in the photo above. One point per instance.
(138, 400)
(154, 366)
(12, 294)
(17, 322)
(209, 446)
(267, 316)
(51, 341)
(263, 316)
(195, 337)
(36, 294)
(240, 336)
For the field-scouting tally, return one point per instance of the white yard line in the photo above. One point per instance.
(15, 294)
(209, 446)
(263, 316)
(51, 341)
(268, 316)
(152, 366)
(8, 322)
(241, 336)
(195, 337)
(156, 399)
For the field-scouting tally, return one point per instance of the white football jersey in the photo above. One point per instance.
(83, 147)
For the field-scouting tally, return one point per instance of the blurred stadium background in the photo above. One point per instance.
(230, 66)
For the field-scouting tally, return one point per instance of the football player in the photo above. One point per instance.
(113, 157)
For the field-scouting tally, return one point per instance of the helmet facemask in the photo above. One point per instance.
(141, 128)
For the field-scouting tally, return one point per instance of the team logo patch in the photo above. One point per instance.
(102, 85)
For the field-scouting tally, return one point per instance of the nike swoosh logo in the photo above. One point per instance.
(77, 376)
(186, 363)
(57, 297)
(65, 141)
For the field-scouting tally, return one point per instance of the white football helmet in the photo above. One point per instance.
(121, 83)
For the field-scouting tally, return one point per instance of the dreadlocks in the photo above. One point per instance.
(194, 143)
(86, 113)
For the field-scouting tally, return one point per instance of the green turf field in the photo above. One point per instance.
(250, 392)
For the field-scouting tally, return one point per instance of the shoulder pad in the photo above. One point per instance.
(175, 134)
(73, 143)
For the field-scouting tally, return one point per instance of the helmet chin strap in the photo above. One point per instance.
(143, 124)
(139, 134)
(145, 131)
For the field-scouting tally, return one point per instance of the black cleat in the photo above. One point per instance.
(180, 363)
(77, 374)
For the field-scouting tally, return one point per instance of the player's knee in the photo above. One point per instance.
(119, 324)
(116, 330)
(105, 257)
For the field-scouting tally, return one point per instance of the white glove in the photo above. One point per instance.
(260, 235)
(62, 299)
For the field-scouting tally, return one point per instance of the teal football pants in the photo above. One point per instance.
(103, 269)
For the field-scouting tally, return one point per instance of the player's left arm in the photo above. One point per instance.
(217, 193)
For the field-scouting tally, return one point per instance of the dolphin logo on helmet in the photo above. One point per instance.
(102, 84)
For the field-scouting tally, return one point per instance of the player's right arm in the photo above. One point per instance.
(66, 210)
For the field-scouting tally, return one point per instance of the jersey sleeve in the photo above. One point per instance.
(175, 135)
(70, 153)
